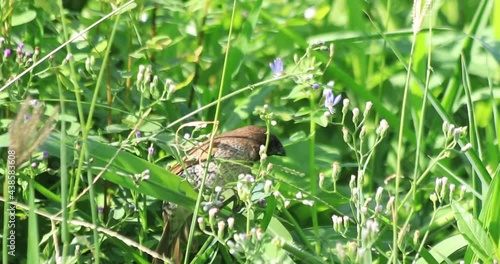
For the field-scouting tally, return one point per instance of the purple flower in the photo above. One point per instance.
(151, 150)
(34, 165)
(277, 67)
(26, 116)
(20, 47)
(45, 155)
(100, 209)
(137, 134)
(331, 100)
(315, 86)
(6, 53)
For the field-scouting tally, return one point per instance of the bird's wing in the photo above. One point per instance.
(194, 156)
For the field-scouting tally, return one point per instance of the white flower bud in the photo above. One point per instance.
(433, 197)
(390, 203)
(463, 189)
(445, 127)
(352, 182)
(321, 179)
(259, 234)
(335, 171)
(355, 115)
(378, 194)
(416, 236)
(267, 186)
(452, 189)
(382, 128)
(361, 175)
(230, 223)
(345, 134)
(368, 107)
(334, 222)
(346, 220)
(362, 133)
(221, 225)
(308, 202)
(345, 105)
(443, 187)
(262, 148)
(437, 185)
(466, 147)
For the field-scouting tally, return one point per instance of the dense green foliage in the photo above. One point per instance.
(388, 111)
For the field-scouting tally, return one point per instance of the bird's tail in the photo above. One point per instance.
(175, 233)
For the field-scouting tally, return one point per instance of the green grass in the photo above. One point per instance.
(416, 141)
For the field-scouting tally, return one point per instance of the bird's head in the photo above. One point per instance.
(258, 135)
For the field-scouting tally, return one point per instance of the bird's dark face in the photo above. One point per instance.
(275, 147)
(258, 136)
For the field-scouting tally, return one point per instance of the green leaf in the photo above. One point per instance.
(23, 18)
(50, 7)
(4, 140)
(320, 118)
(276, 229)
(443, 249)
(116, 128)
(474, 233)
(162, 184)
(489, 215)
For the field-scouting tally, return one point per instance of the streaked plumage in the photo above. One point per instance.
(233, 154)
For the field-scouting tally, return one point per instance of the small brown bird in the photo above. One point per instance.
(233, 154)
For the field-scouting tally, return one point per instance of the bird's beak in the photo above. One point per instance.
(281, 152)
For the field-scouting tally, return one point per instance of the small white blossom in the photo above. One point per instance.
(309, 13)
